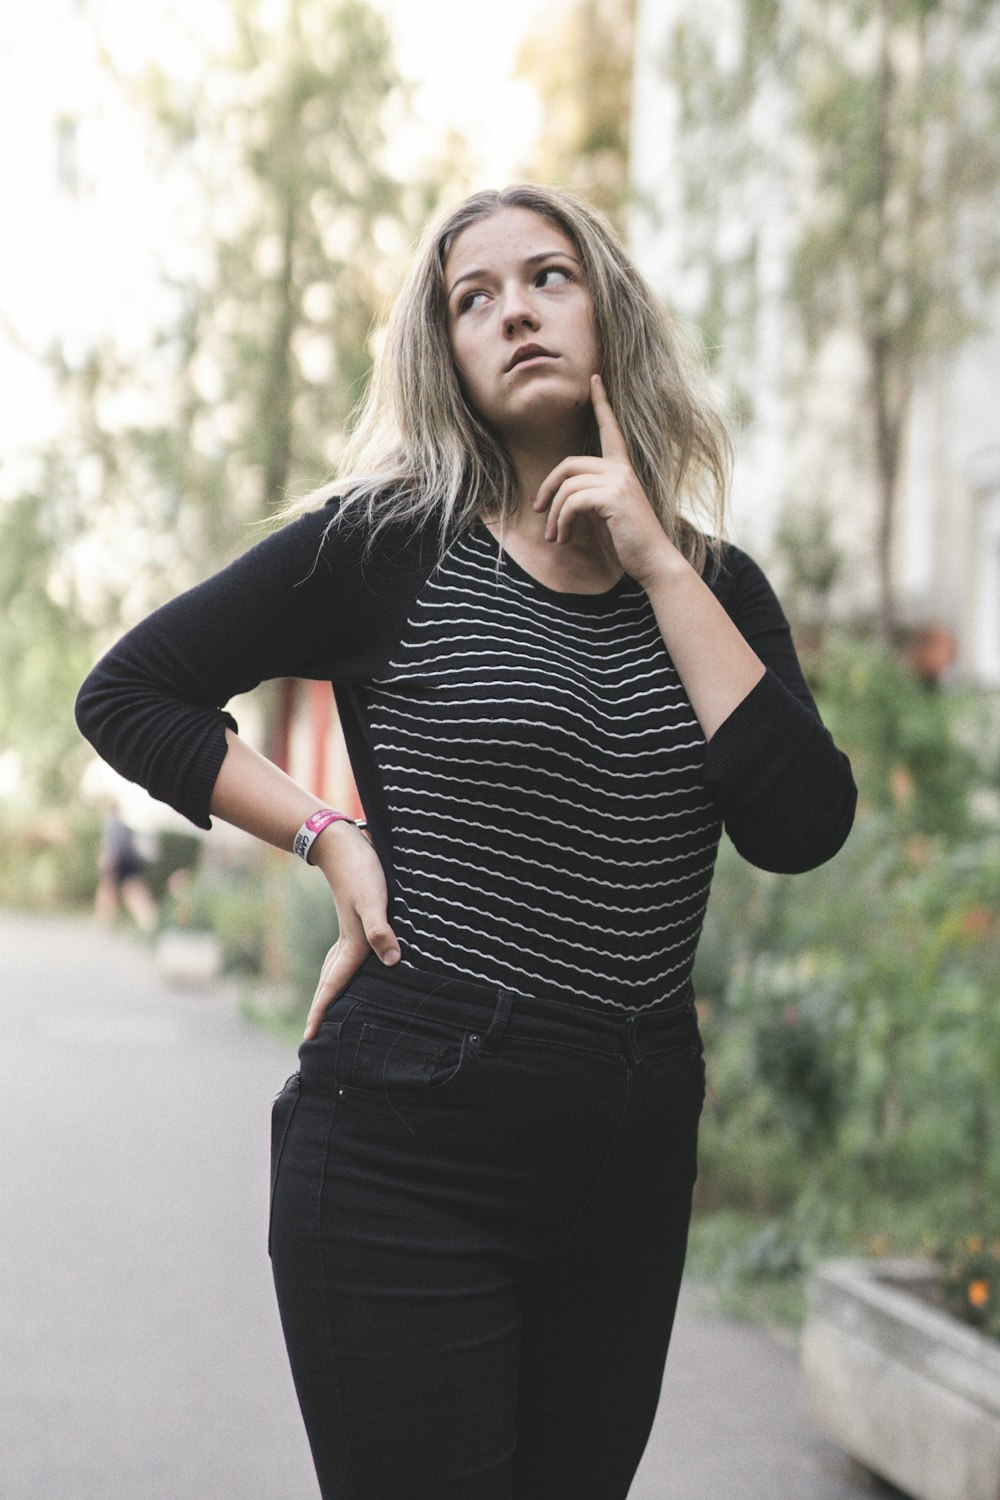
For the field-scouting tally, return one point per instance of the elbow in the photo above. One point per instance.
(799, 836)
(87, 711)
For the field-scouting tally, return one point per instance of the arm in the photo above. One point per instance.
(254, 794)
(153, 705)
(153, 708)
(783, 790)
(716, 664)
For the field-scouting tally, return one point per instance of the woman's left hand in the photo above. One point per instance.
(606, 492)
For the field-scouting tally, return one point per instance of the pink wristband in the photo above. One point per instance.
(313, 827)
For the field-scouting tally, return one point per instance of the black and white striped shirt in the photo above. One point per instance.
(543, 772)
(536, 783)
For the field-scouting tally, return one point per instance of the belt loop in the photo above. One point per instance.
(498, 1025)
(629, 1043)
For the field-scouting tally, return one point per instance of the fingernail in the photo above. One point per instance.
(390, 955)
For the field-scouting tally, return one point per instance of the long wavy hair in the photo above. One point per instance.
(418, 450)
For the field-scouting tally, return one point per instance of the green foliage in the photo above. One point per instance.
(48, 862)
(970, 1281)
(849, 1013)
(44, 652)
(237, 393)
(291, 223)
(580, 61)
(814, 563)
(275, 921)
(908, 741)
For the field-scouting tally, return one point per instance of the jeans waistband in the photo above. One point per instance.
(498, 1011)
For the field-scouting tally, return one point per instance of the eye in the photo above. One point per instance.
(469, 300)
(559, 272)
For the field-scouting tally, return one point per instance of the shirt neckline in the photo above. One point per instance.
(562, 596)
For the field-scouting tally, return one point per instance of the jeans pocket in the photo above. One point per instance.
(282, 1111)
(389, 1060)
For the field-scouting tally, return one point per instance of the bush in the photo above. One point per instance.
(48, 862)
(275, 919)
(850, 1013)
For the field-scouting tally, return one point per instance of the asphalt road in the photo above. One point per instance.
(140, 1352)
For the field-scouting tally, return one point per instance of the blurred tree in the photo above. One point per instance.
(299, 224)
(44, 652)
(813, 562)
(174, 438)
(878, 118)
(580, 61)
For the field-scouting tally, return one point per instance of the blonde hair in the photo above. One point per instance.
(418, 450)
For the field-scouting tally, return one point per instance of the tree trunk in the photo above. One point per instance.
(887, 444)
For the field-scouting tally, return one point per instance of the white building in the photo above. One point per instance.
(811, 445)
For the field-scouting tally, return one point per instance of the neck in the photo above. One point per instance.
(534, 459)
(588, 546)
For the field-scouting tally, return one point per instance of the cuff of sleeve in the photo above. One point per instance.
(188, 788)
(759, 739)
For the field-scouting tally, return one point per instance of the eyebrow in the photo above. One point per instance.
(531, 261)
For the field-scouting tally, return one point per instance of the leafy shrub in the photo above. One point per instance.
(48, 862)
(970, 1281)
(849, 1013)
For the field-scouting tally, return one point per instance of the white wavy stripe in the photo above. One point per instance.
(475, 579)
(593, 829)
(513, 630)
(616, 653)
(578, 645)
(504, 663)
(613, 962)
(590, 973)
(420, 852)
(528, 675)
(617, 935)
(572, 996)
(565, 732)
(482, 567)
(403, 736)
(609, 776)
(479, 783)
(417, 872)
(700, 895)
(508, 586)
(598, 721)
(632, 845)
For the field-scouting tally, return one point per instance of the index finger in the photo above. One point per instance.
(612, 439)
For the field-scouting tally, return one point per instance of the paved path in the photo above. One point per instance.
(140, 1353)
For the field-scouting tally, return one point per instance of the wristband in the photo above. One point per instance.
(313, 827)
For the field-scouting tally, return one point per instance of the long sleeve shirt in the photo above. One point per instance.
(539, 791)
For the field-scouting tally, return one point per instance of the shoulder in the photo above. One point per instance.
(743, 589)
(350, 537)
(729, 569)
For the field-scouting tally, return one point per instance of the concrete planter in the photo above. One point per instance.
(187, 957)
(908, 1391)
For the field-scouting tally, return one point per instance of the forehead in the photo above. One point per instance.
(510, 234)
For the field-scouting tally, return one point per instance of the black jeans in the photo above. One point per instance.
(479, 1216)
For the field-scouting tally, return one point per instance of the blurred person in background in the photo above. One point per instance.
(557, 684)
(120, 867)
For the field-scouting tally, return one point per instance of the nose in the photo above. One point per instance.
(517, 311)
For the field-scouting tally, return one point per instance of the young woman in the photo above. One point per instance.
(556, 690)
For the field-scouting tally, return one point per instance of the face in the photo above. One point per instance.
(521, 325)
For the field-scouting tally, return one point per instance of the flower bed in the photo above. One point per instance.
(905, 1388)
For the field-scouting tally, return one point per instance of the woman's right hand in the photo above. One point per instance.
(355, 876)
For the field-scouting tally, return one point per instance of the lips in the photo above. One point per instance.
(529, 351)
